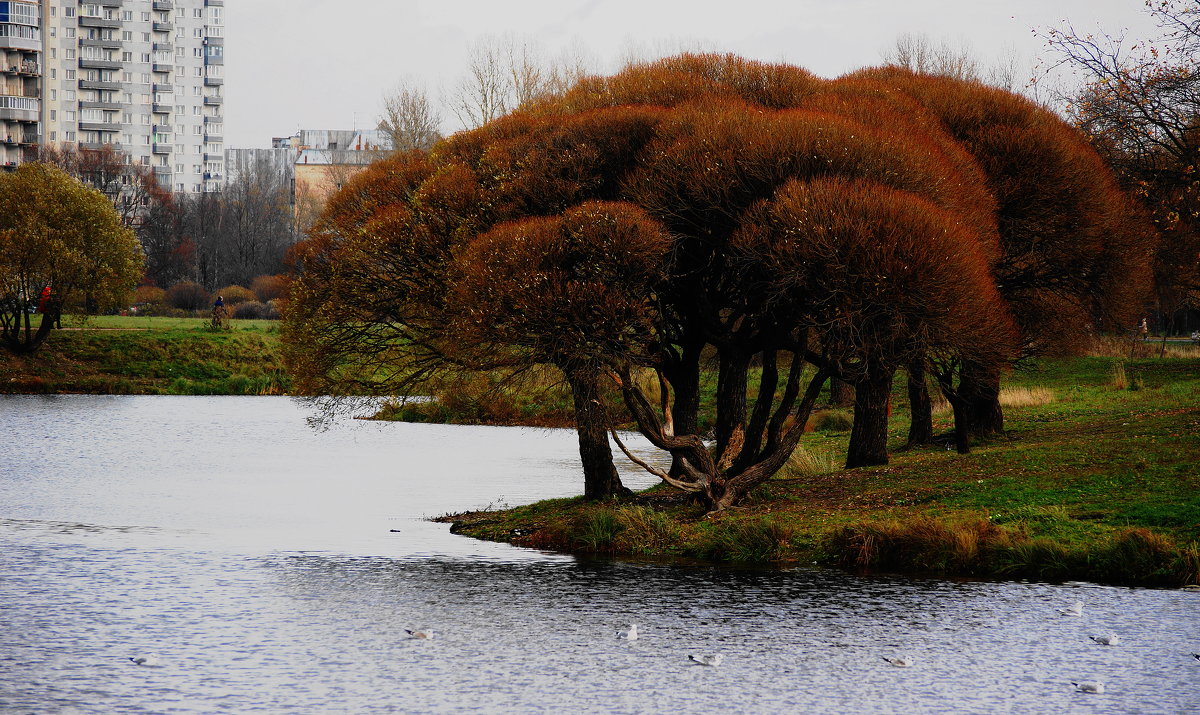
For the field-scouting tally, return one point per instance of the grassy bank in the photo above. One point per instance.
(1098, 478)
(150, 356)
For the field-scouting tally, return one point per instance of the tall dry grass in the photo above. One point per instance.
(1114, 346)
(1026, 396)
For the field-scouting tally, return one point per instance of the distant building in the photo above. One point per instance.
(144, 77)
(325, 161)
(314, 162)
(20, 81)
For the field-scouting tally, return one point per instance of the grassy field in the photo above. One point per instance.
(1098, 478)
(141, 355)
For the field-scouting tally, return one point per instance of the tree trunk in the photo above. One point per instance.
(920, 429)
(600, 478)
(731, 405)
(868, 438)
(979, 388)
(841, 393)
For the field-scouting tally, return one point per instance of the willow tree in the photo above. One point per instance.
(1075, 249)
(60, 242)
(629, 227)
(574, 291)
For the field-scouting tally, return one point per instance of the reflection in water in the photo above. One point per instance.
(265, 577)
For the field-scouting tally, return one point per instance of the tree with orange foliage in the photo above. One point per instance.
(1140, 106)
(1074, 247)
(696, 206)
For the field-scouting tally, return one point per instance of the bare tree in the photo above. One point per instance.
(484, 93)
(919, 53)
(508, 72)
(409, 118)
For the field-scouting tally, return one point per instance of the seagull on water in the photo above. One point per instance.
(1110, 639)
(709, 660)
(147, 660)
(1089, 686)
(420, 635)
(629, 634)
(899, 662)
(1075, 609)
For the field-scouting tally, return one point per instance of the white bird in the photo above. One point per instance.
(1075, 609)
(421, 635)
(1110, 639)
(709, 660)
(630, 635)
(899, 662)
(147, 660)
(1089, 686)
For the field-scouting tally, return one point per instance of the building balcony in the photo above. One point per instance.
(162, 26)
(99, 127)
(162, 171)
(164, 88)
(163, 128)
(26, 68)
(214, 157)
(165, 5)
(111, 44)
(8, 140)
(97, 84)
(163, 46)
(214, 119)
(19, 109)
(213, 81)
(21, 43)
(213, 101)
(214, 138)
(88, 63)
(100, 105)
(31, 139)
(161, 149)
(98, 146)
(160, 108)
(166, 69)
(111, 3)
(214, 3)
(86, 21)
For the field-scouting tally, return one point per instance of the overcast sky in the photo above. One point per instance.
(321, 64)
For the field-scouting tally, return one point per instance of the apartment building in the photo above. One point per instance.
(142, 76)
(20, 80)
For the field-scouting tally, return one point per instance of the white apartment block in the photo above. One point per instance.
(143, 76)
(20, 80)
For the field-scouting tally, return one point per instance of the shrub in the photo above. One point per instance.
(597, 529)
(149, 295)
(1119, 379)
(751, 541)
(268, 288)
(187, 295)
(804, 462)
(254, 310)
(833, 421)
(236, 294)
(644, 529)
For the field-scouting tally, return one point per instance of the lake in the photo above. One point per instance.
(270, 567)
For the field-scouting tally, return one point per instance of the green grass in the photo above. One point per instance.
(1101, 483)
(142, 355)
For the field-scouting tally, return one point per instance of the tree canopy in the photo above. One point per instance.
(709, 211)
(60, 242)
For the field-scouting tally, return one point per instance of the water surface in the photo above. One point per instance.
(272, 568)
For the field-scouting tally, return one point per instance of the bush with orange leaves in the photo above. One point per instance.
(710, 204)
